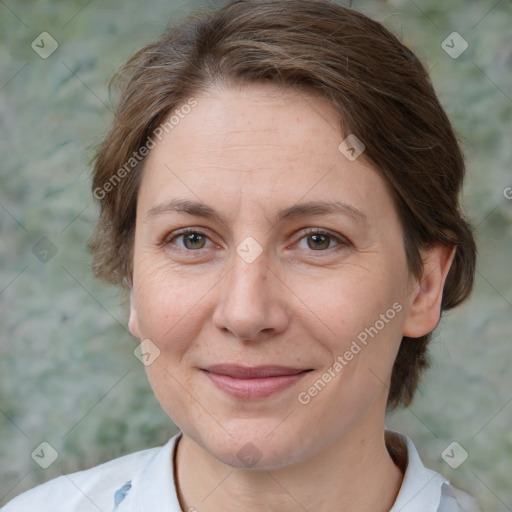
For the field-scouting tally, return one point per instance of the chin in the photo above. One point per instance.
(253, 444)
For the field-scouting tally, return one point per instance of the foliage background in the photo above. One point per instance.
(67, 371)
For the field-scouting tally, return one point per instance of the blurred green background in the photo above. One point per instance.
(68, 375)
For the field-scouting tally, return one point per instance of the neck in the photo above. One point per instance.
(354, 474)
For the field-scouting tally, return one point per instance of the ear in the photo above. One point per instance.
(133, 322)
(425, 301)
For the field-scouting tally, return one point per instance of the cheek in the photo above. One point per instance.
(170, 311)
(361, 310)
(173, 307)
(351, 298)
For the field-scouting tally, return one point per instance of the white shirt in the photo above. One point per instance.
(141, 482)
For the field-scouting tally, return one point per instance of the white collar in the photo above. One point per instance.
(155, 488)
(421, 487)
(151, 489)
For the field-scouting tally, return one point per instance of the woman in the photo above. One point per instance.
(279, 195)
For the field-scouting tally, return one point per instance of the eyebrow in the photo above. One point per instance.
(296, 211)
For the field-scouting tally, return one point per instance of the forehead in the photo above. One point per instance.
(258, 116)
(253, 117)
(257, 143)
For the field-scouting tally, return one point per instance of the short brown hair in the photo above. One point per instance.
(379, 87)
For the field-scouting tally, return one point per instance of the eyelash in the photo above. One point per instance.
(341, 241)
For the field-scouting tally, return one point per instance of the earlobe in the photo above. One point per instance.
(425, 304)
(133, 322)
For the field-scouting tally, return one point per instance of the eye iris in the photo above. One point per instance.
(193, 239)
(318, 242)
(197, 241)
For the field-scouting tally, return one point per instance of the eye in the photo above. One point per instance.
(316, 240)
(320, 240)
(193, 240)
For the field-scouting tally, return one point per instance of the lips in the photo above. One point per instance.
(245, 372)
(253, 382)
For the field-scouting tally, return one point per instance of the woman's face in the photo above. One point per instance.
(268, 276)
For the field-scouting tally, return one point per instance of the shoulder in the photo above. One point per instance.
(424, 490)
(457, 500)
(84, 491)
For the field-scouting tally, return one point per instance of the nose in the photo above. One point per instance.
(251, 303)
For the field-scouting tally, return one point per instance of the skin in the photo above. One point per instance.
(249, 153)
